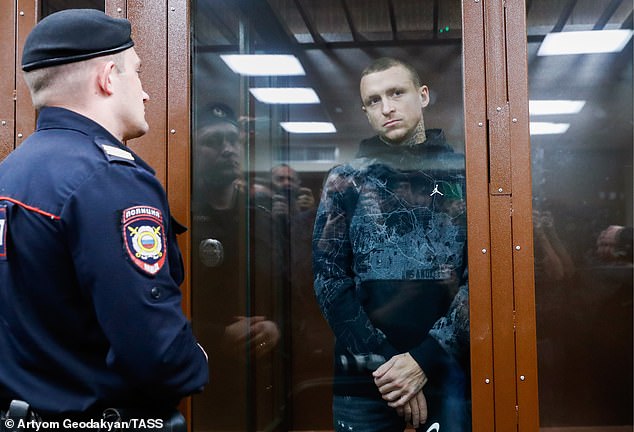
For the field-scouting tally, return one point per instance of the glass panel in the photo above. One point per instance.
(581, 139)
(48, 7)
(381, 223)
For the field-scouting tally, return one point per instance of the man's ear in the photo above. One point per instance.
(424, 96)
(365, 111)
(105, 72)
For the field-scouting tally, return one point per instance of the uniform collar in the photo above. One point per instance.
(62, 118)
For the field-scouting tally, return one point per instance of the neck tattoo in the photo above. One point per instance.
(417, 137)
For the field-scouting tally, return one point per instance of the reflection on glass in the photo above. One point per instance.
(237, 318)
(257, 186)
(582, 201)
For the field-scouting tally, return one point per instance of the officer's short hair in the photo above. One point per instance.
(385, 63)
(47, 82)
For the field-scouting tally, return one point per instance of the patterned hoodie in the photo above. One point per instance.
(389, 259)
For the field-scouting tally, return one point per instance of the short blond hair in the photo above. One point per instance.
(385, 63)
(51, 83)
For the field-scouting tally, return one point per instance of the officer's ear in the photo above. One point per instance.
(105, 73)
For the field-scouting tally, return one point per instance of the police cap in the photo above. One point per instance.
(73, 35)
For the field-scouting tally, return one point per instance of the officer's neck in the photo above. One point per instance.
(99, 116)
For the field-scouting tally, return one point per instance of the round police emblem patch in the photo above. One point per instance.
(144, 237)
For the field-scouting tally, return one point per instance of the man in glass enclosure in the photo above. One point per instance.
(389, 258)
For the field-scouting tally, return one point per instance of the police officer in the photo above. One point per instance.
(240, 324)
(90, 306)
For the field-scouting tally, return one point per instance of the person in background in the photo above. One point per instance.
(389, 260)
(614, 244)
(552, 258)
(289, 197)
(234, 308)
(90, 316)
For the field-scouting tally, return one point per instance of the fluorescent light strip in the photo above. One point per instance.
(263, 64)
(290, 95)
(584, 42)
(308, 127)
(546, 128)
(553, 107)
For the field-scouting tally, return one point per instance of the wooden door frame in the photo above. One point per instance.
(7, 84)
(17, 116)
(499, 214)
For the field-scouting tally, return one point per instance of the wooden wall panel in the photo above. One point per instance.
(497, 98)
(7, 84)
(116, 8)
(178, 125)
(522, 225)
(500, 217)
(513, 306)
(149, 31)
(179, 140)
(477, 171)
(25, 114)
(503, 314)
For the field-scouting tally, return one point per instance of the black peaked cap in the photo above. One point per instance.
(73, 35)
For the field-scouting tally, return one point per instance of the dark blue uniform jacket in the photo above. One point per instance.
(90, 305)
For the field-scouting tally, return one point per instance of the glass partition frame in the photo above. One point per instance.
(246, 110)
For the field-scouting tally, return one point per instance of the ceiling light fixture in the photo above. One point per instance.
(263, 64)
(308, 127)
(553, 107)
(547, 128)
(584, 42)
(289, 95)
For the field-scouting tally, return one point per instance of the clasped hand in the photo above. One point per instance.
(256, 332)
(400, 381)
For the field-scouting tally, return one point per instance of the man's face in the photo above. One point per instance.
(132, 96)
(285, 180)
(219, 153)
(392, 103)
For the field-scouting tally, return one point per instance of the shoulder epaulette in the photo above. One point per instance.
(114, 153)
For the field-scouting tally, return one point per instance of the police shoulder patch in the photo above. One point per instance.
(144, 237)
